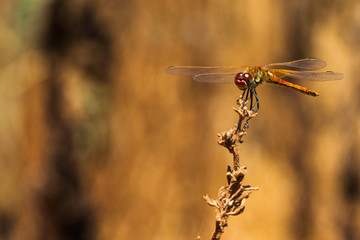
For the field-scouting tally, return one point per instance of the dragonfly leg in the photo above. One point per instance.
(257, 101)
(251, 99)
(247, 94)
(245, 97)
(254, 107)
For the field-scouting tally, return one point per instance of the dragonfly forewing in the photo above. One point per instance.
(216, 77)
(196, 70)
(307, 64)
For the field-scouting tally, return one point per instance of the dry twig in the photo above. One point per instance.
(231, 198)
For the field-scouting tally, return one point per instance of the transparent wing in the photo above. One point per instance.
(215, 77)
(307, 64)
(312, 76)
(196, 70)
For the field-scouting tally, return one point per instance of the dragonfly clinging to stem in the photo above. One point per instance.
(247, 78)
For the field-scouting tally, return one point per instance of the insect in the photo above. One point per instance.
(247, 78)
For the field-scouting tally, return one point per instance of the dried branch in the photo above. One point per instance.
(231, 198)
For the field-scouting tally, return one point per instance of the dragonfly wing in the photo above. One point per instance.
(312, 76)
(315, 76)
(216, 77)
(307, 64)
(196, 70)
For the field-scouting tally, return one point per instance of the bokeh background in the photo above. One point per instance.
(98, 142)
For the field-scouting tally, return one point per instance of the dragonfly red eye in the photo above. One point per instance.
(240, 80)
(239, 75)
(247, 77)
(243, 76)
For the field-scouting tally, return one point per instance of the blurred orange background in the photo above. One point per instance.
(98, 142)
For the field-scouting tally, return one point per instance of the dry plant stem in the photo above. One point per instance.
(231, 198)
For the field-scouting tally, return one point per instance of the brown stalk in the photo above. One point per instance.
(231, 198)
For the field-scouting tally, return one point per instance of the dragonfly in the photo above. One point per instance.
(247, 78)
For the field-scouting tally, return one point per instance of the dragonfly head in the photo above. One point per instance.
(243, 80)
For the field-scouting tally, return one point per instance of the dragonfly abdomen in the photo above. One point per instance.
(275, 80)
